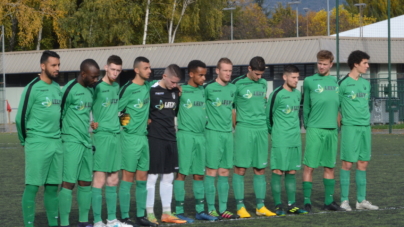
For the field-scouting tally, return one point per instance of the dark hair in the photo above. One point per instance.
(194, 64)
(114, 59)
(138, 60)
(87, 64)
(257, 63)
(173, 70)
(325, 55)
(48, 53)
(356, 57)
(290, 69)
(223, 60)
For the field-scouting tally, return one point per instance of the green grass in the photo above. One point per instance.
(385, 186)
(395, 126)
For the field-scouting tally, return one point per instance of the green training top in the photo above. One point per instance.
(320, 105)
(76, 113)
(192, 115)
(39, 111)
(219, 106)
(134, 100)
(250, 101)
(283, 117)
(354, 97)
(105, 107)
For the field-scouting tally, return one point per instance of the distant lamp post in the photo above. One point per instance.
(231, 19)
(307, 27)
(360, 5)
(297, 16)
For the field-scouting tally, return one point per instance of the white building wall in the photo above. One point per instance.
(13, 95)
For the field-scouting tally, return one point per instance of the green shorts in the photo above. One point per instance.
(321, 147)
(43, 161)
(135, 152)
(251, 147)
(356, 143)
(286, 158)
(107, 155)
(219, 149)
(77, 162)
(191, 152)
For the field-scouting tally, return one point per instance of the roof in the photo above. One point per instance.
(379, 29)
(274, 51)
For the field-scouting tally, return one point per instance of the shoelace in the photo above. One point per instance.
(227, 214)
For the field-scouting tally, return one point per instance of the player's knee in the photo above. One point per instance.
(198, 177)
(84, 183)
(167, 178)
(68, 185)
(259, 171)
(346, 165)
(224, 172)
(278, 171)
(239, 171)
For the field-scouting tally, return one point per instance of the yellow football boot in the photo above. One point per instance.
(243, 213)
(264, 212)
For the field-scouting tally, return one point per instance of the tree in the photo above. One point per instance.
(376, 8)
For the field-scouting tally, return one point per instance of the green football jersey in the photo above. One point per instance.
(134, 100)
(192, 115)
(76, 113)
(354, 97)
(321, 102)
(219, 106)
(39, 111)
(250, 101)
(283, 117)
(105, 107)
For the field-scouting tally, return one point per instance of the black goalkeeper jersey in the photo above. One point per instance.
(163, 109)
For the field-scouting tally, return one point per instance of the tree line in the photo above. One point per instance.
(53, 24)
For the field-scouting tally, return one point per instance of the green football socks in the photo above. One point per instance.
(28, 204)
(345, 176)
(52, 203)
(290, 186)
(199, 192)
(111, 197)
(124, 198)
(65, 205)
(84, 202)
(360, 178)
(307, 185)
(141, 196)
(179, 193)
(329, 185)
(238, 188)
(210, 191)
(223, 192)
(276, 188)
(260, 187)
(96, 203)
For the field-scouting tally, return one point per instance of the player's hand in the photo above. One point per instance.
(124, 119)
(180, 88)
(94, 125)
(148, 121)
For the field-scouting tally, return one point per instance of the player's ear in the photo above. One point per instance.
(106, 67)
(249, 69)
(217, 71)
(43, 66)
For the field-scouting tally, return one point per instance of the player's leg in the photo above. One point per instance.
(260, 162)
(210, 190)
(53, 180)
(111, 194)
(214, 150)
(84, 187)
(278, 162)
(151, 191)
(166, 195)
(311, 161)
(243, 149)
(360, 175)
(157, 151)
(96, 192)
(28, 204)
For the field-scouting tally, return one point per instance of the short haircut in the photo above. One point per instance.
(288, 69)
(173, 70)
(194, 64)
(223, 60)
(114, 59)
(138, 60)
(87, 64)
(356, 57)
(48, 53)
(325, 55)
(257, 63)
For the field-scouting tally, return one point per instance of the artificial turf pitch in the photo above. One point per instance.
(385, 186)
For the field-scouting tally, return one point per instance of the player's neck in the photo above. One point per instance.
(221, 82)
(354, 74)
(138, 80)
(80, 81)
(45, 78)
(286, 87)
(162, 84)
(107, 80)
(192, 83)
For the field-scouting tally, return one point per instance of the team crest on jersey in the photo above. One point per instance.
(217, 103)
(290, 109)
(248, 95)
(107, 102)
(319, 89)
(81, 106)
(337, 89)
(47, 103)
(188, 105)
(139, 104)
(160, 106)
(352, 95)
(173, 95)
